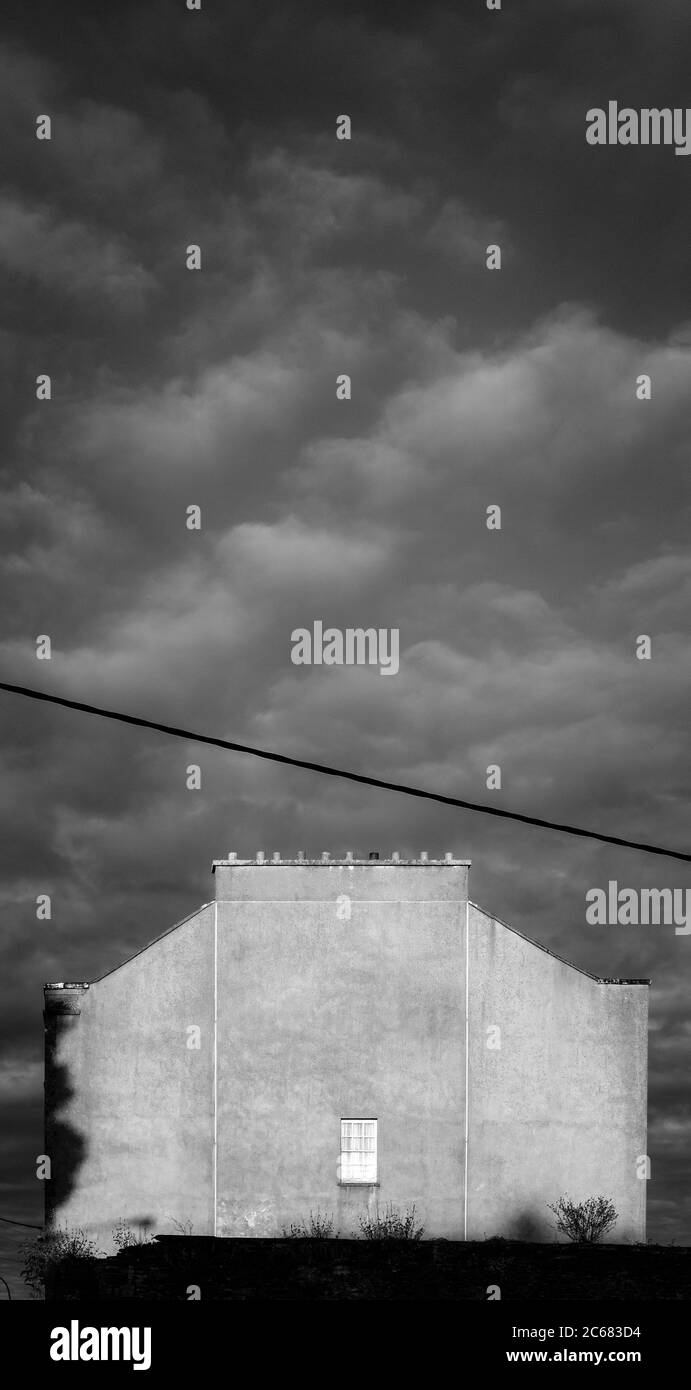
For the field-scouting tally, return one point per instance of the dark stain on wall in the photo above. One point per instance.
(64, 1144)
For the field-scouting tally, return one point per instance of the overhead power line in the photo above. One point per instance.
(327, 771)
(29, 1224)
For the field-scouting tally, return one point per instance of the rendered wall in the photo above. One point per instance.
(325, 1016)
(560, 1107)
(331, 991)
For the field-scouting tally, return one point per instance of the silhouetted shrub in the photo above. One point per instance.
(124, 1236)
(47, 1253)
(320, 1227)
(585, 1221)
(183, 1228)
(391, 1226)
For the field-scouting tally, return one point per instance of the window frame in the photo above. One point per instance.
(352, 1181)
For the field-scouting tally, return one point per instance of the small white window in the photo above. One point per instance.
(358, 1151)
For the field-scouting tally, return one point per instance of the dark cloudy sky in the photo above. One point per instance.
(470, 387)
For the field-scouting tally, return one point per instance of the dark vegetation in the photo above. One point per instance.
(299, 1269)
(584, 1221)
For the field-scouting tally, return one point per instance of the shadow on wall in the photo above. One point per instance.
(529, 1225)
(65, 1146)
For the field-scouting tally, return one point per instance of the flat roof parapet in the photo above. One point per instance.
(300, 860)
(66, 984)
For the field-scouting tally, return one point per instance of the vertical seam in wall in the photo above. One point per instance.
(467, 1071)
(215, 1083)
